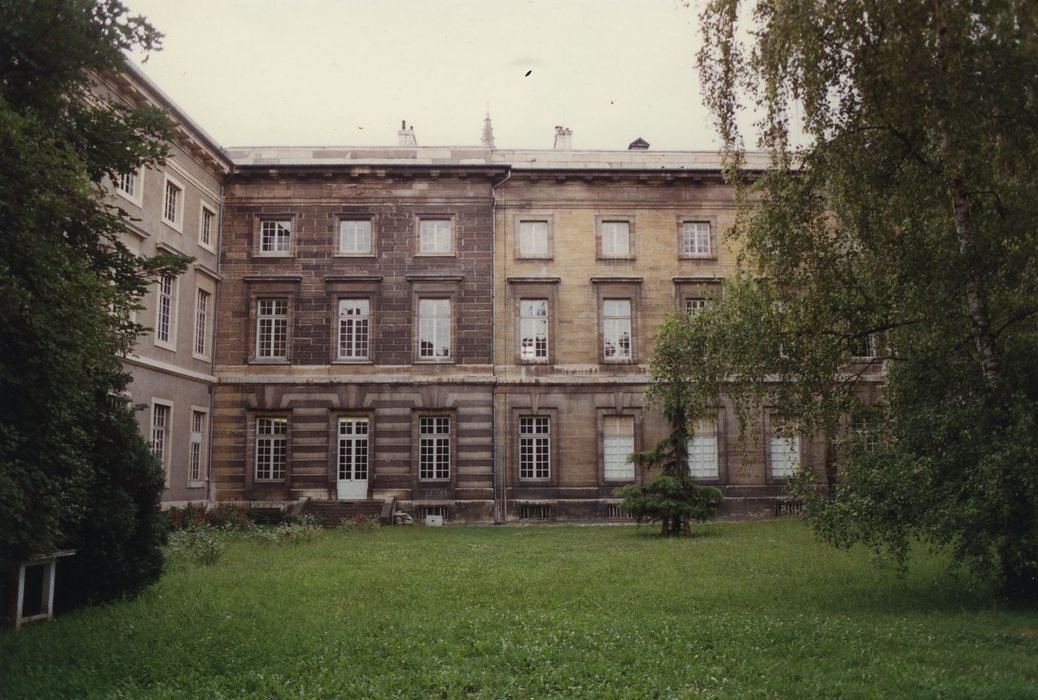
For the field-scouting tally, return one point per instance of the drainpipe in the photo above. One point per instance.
(500, 514)
(216, 321)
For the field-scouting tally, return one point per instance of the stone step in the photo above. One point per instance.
(333, 513)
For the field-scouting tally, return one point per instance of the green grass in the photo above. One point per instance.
(741, 610)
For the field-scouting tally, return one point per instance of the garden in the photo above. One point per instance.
(752, 609)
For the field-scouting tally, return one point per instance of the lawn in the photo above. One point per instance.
(741, 610)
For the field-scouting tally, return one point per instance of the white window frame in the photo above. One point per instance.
(783, 454)
(694, 305)
(434, 448)
(704, 460)
(164, 453)
(202, 337)
(209, 245)
(436, 323)
(274, 461)
(358, 456)
(435, 248)
(137, 196)
(177, 222)
(534, 354)
(617, 448)
(613, 325)
(359, 252)
(612, 250)
(170, 341)
(198, 462)
(696, 238)
(275, 238)
(524, 228)
(266, 350)
(870, 347)
(362, 319)
(534, 448)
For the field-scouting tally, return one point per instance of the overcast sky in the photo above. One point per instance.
(344, 72)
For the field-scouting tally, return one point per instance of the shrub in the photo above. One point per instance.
(201, 544)
(227, 515)
(359, 524)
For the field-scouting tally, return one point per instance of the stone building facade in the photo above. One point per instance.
(175, 208)
(462, 330)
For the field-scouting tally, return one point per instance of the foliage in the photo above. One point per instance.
(359, 524)
(202, 545)
(671, 497)
(67, 287)
(910, 216)
(575, 612)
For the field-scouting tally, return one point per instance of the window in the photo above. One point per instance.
(694, 305)
(617, 446)
(534, 447)
(275, 237)
(196, 466)
(164, 311)
(202, 323)
(702, 450)
(784, 454)
(616, 329)
(533, 330)
(434, 329)
(355, 237)
(616, 239)
(533, 239)
(173, 204)
(864, 347)
(434, 236)
(271, 448)
(272, 328)
(434, 448)
(353, 448)
(695, 238)
(205, 228)
(131, 185)
(354, 328)
(160, 433)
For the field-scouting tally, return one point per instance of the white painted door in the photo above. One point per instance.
(353, 459)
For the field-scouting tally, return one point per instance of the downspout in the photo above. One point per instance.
(216, 322)
(500, 514)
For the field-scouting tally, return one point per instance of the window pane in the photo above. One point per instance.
(434, 328)
(616, 238)
(784, 453)
(275, 236)
(616, 329)
(533, 238)
(435, 236)
(355, 236)
(695, 237)
(534, 447)
(533, 329)
(617, 446)
(354, 328)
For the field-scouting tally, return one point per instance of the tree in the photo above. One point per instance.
(901, 239)
(671, 497)
(71, 460)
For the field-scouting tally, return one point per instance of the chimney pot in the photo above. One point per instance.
(563, 138)
(406, 137)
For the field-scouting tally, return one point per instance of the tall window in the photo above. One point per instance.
(533, 330)
(617, 446)
(864, 347)
(205, 230)
(784, 454)
(353, 448)
(196, 467)
(355, 237)
(160, 432)
(129, 184)
(275, 237)
(694, 305)
(434, 448)
(272, 328)
(616, 329)
(164, 311)
(434, 236)
(354, 325)
(702, 450)
(271, 448)
(695, 238)
(434, 329)
(534, 447)
(616, 238)
(172, 203)
(202, 322)
(533, 239)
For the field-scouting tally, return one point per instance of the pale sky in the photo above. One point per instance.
(346, 72)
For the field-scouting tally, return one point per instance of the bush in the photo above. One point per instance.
(203, 545)
(227, 515)
(359, 524)
(187, 517)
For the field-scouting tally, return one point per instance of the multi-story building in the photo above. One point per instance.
(176, 208)
(464, 331)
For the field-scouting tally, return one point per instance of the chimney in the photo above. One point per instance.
(563, 138)
(639, 144)
(405, 137)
